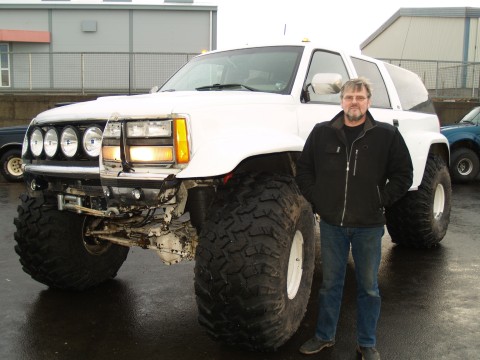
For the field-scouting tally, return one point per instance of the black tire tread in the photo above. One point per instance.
(51, 251)
(238, 283)
(410, 220)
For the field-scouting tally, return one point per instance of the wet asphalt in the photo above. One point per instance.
(430, 309)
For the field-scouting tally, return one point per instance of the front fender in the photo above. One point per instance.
(221, 155)
(420, 144)
(462, 136)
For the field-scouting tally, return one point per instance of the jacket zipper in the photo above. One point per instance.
(355, 163)
(349, 155)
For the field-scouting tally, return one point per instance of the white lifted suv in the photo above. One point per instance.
(204, 169)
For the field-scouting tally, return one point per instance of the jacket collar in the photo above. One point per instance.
(338, 121)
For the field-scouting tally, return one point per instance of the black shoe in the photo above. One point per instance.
(314, 346)
(368, 353)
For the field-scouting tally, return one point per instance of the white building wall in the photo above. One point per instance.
(473, 49)
(35, 20)
(112, 32)
(172, 31)
(31, 20)
(420, 38)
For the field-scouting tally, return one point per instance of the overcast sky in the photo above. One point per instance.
(339, 23)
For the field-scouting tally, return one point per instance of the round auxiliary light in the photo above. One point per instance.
(92, 141)
(36, 142)
(25, 145)
(69, 141)
(50, 142)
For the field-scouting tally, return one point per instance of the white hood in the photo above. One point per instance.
(154, 105)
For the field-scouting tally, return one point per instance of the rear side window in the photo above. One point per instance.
(411, 91)
(370, 71)
(325, 62)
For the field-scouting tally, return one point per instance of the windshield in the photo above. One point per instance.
(473, 117)
(267, 69)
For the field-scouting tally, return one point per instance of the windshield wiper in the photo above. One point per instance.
(224, 86)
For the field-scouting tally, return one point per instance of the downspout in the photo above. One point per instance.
(466, 43)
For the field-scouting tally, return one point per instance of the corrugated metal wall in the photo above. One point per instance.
(420, 38)
(116, 30)
(126, 33)
(473, 49)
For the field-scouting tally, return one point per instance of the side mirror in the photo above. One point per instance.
(327, 83)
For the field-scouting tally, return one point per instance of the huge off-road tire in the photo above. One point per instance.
(255, 262)
(53, 250)
(420, 219)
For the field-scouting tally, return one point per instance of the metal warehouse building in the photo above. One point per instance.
(444, 34)
(439, 44)
(106, 45)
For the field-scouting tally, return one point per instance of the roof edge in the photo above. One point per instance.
(451, 12)
(111, 6)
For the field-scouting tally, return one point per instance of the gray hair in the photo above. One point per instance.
(357, 85)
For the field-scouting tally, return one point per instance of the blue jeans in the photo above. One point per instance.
(366, 251)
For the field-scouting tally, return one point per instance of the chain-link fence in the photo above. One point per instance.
(445, 79)
(101, 72)
(89, 72)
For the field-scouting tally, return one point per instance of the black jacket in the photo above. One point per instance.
(352, 188)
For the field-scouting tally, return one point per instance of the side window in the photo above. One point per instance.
(370, 71)
(325, 62)
(4, 66)
(473, 116)
(411, 91)
(476, 120)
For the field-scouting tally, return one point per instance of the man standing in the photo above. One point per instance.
(351, 168)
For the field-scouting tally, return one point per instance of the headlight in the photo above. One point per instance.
(50, 143)
(92, 141)
(152, 128)
(36, 142)
(69, 141)
(148, 154)
(25, 145)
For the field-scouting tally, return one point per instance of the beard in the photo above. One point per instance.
(354, 118)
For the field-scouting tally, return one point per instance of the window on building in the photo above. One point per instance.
(326, 62)
(4, 65)
(370, 71)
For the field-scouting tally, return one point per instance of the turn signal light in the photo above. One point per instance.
(182, 150)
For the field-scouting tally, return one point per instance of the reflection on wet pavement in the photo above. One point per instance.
(430, 304)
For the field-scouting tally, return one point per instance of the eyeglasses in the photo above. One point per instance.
(350, 98)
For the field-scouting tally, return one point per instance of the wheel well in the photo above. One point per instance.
(279, 163)
(9, 147)
(468, 144)
(440, 150)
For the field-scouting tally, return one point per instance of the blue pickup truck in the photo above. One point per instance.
(464, 140)
(11, 140)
